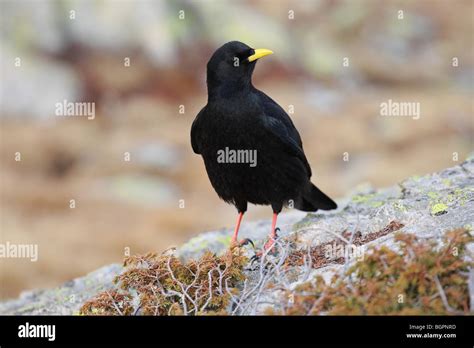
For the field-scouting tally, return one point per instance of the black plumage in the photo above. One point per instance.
(240, 117)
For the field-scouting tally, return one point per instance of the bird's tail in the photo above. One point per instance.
(314, 199)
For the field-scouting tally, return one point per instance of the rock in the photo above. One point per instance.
(426, 206)
(412, 202)
(65, 299)
(32, 100)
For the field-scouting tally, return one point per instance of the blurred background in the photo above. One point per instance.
(143, 65)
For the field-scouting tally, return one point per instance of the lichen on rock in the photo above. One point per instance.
(412, 227)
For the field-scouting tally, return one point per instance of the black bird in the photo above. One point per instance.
(242, 120)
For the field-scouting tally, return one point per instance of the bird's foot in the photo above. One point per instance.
(268, 248)
(246, 241)
(243, 242)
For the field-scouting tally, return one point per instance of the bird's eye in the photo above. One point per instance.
(243, 56)
(247, 53)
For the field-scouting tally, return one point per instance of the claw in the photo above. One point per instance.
(269, 245)
(255, 258)
(246, 241)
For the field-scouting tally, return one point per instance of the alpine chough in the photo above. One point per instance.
(251, 149)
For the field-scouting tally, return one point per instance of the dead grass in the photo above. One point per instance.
(422, 279)
(164, 285)
(318, 253)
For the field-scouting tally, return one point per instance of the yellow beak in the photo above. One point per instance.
(259, 53)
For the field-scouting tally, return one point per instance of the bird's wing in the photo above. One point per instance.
(279, 125)
(195, 129)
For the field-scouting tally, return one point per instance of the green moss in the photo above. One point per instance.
(198, 243)
(224, 239)
(462, 195)
(371, 199)
(439, 209)
(376, 204)
(363, 198)
(447, 182)
(400, 207)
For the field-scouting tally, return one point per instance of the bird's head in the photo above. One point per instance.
(230, 67)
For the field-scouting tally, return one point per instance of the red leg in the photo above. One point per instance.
(237, 226)
(271, 241)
